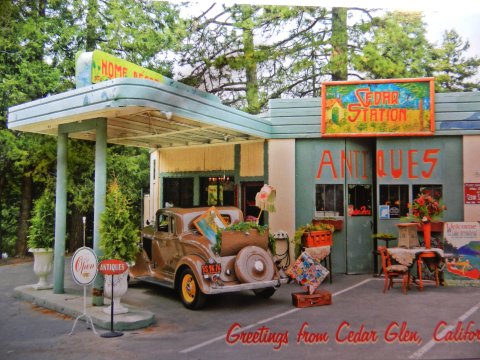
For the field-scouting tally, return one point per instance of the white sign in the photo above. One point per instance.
(462, 233)
(84, 266)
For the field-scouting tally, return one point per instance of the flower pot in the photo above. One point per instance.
(42, 267)
(120, 287)
(337, 223)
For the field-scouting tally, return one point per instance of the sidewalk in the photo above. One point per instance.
(71, 303)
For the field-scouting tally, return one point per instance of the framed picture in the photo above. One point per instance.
(209, 222)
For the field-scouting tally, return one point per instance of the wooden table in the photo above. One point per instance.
(408, 257)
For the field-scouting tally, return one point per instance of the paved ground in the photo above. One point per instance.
(362, 323)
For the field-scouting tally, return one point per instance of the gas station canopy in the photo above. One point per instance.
(140, 113)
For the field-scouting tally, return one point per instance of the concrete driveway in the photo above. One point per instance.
(361, 323)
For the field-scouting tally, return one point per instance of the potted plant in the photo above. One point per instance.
(337, 223)
(425, 210)
(119, 238)
(41, 236)
(304, 233)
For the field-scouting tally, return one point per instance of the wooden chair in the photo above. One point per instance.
(393, 272)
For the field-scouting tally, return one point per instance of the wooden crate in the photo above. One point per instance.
(318, 298)
(317, 238)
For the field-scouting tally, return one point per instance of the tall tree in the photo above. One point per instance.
(250, 54)
(453, 70)
(396, 48)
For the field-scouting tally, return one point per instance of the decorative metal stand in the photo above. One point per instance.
(84, 314)
(87, 317)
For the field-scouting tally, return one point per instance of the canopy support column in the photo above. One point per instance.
(99, 201)
(60, 214)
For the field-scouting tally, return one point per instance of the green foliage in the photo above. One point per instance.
(244, 226)
(119, 236)
(41, 233)
(452, 68)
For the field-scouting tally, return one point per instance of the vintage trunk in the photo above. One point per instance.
(318, 298)
(234, 241)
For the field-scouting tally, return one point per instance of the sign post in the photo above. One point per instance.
(112, 267)
(84, 270)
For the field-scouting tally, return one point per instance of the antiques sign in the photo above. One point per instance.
(472, 193)
(399, 107)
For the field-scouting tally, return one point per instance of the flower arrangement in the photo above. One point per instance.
(426, 209)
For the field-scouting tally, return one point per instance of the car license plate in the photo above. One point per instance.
(211, 268)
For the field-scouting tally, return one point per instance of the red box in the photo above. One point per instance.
(317, 238)
(318, 298)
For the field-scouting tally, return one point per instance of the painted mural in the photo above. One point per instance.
(462, 251)
(402, 107)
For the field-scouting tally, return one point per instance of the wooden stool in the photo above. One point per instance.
(420, 257)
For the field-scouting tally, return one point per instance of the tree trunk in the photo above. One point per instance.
(253, 100)
(76, 230)
(339, 42)
(25, 213)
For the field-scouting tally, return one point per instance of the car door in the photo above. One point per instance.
(165, 246)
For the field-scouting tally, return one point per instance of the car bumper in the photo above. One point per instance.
(219, 289)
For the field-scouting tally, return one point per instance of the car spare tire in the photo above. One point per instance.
(254, 264)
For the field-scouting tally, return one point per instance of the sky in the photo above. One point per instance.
(460, 15)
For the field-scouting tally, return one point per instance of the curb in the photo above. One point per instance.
(71, 303)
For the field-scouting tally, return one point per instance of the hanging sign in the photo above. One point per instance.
(84, 266)
(397, 107)
(112, 267)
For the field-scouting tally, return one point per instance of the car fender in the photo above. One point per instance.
(194, 262)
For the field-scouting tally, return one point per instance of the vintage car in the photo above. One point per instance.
(175, 254)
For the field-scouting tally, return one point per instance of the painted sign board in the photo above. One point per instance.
(462, 243)
(97, 66)
(112, 267)
(397, 107)
(472, 193)
(84, 266)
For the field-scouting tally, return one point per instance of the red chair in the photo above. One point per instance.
(393, 272)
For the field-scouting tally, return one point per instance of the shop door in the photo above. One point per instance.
(359, 192)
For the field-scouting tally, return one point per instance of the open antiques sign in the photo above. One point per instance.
(400, 107)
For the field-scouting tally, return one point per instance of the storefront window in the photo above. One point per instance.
(217, 191)
(435, 191)
(329, 200)
(394, 199)
(359, 200)
(178, 192)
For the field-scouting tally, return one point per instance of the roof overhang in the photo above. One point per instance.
(140, 113)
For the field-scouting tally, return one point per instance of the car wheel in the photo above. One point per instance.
(190, 293)
(264, 293)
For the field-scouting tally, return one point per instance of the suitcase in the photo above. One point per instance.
(318, 298)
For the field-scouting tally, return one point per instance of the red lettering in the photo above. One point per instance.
(326, 162)
(346, 163)
(412, 164)
(430, 160)
(356, 109)
(381, 164)
(396, 172)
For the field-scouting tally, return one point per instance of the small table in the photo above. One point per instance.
(375, 251)
(407, 257)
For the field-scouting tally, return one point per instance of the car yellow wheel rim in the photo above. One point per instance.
(189, 289)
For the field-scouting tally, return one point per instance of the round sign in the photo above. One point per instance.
(112, 267)
(84, 266)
